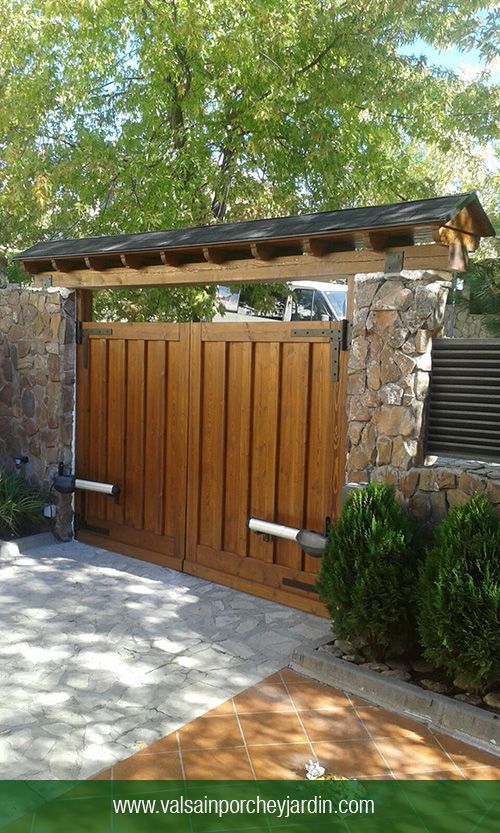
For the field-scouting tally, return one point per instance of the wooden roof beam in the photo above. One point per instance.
(252, 270)
(132, 261)
(315, 246)
(263, 251)
(212, 254)
(34, 267)
(447, 235)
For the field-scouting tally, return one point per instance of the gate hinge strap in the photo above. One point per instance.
(346, 334)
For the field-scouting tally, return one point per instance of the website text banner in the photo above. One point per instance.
(343, 806)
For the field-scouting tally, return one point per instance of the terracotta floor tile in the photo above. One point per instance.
(354, 758)
(224, 708)
(313, 695)
(382, 724)
(414, 754)
(217, 764)
(273, 679)
(465, 755)
(272, 728)
(290, 676)
(285, 762)
(211, 733)
(263, 698)
(361, 702)
(337, 724)
(165, 744)
(105, 775)
(148, 768)
(439, 775)
(482, 773)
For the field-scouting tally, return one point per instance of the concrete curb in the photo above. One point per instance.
(29, 542)
(468, 723)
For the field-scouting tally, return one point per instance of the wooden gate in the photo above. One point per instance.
(204, 426)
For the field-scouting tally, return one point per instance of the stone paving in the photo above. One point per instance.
(101, 654)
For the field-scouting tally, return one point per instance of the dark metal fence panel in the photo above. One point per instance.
(464, 404)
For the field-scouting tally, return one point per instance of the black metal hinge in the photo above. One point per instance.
(340, 338)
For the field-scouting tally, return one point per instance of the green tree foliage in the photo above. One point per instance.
(459, 595)
(129, 115)
(368, 573)
(482, 282)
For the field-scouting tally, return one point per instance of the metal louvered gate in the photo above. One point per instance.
(464, 404)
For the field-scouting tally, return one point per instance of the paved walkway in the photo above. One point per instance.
(101, 654)
(273, 728)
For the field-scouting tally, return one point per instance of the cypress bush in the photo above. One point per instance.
(368, 573)
(459, 595)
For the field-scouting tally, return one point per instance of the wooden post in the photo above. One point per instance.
(84, 303)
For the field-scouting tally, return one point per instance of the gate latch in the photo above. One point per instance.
(340, 338)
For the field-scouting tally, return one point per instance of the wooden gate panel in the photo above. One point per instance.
(261, 426)
(132, 413)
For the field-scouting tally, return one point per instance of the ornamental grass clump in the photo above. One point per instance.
(459, 595)
(19, 502)
(368, 573)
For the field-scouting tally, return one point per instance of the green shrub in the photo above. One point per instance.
(19, 502)
(459, 595)
(368, 573)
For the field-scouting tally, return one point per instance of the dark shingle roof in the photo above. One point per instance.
(414, 213)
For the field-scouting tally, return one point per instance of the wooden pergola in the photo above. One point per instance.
(436, 234)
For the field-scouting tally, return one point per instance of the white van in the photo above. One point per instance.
(307, 301)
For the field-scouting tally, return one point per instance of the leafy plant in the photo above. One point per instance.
(368, 572)
(482, 295)
(19, 501)
(459, 595)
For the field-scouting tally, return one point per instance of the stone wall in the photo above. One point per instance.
(431, 490)
(394, 321)
(460, 323)
(37, 376)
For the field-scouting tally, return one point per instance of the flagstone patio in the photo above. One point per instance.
(101, 655)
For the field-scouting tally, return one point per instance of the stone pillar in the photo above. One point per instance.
(394, 321)
(37, 377)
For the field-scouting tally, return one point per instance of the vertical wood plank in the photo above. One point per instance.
(239, 394)
(194, 442)
(176, 440)
(292, 448)
(319, 464)
(264, 446)
(116, 425)
(213, 430)
(84, 304)
(134, 451)
(96, 504)
(154, 429)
